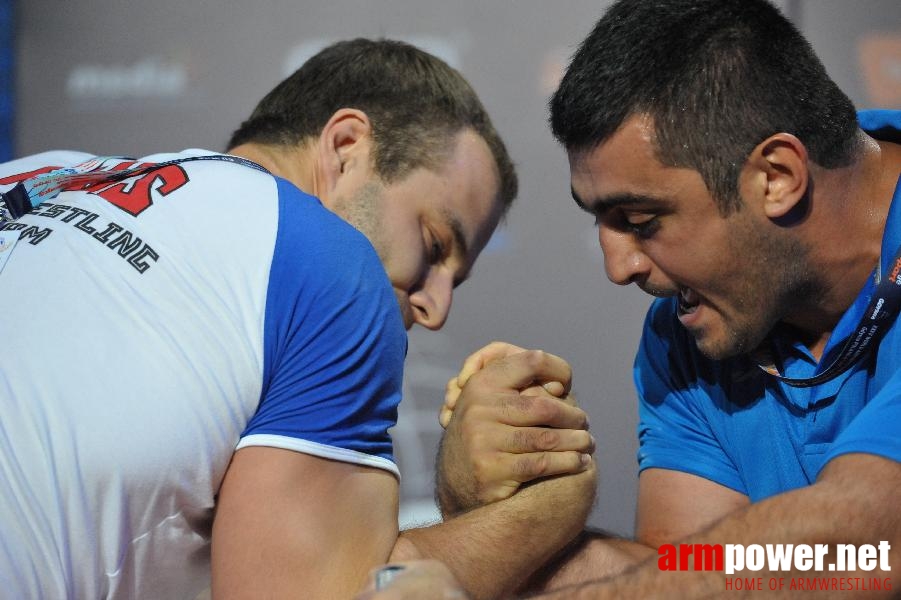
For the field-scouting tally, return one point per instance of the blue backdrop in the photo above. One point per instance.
(7, 78)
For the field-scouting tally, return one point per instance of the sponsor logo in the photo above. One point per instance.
(149, 78)
(739, 559)
(896, 272)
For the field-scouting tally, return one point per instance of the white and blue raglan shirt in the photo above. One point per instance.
(150, 327)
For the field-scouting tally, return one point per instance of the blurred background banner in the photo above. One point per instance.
(7, 78)
(114, 77)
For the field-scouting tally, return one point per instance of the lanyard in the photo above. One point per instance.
(26, 195)
(879, 315)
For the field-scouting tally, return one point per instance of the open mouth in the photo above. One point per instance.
(688, 301)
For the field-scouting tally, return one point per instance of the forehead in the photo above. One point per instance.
(468, 194)
(626, 165)
(459, 198)
(622, 161)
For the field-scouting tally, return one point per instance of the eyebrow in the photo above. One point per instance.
(601, 205)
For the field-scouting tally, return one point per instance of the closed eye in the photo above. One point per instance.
(436, 253)
(643, 225)
(436, 248)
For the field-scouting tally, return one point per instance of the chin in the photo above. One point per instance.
(721, 347)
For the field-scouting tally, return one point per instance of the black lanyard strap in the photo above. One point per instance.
(26, 195)
(879, 316)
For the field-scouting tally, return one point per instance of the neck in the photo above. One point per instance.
(296, 163)
(847, 220)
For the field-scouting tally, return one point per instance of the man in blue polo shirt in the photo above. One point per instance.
(732, 179)
(716, 418)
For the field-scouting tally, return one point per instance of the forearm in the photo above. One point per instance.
(493, 549)
(590, 556)
(846, 509)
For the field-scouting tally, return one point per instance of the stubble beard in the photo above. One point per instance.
(363, 211)
(776, 278)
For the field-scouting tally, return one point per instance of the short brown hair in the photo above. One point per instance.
(416, 104)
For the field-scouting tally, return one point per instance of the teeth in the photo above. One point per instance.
(688, 300)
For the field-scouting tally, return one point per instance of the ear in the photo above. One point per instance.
(779, 173)
(344, 146)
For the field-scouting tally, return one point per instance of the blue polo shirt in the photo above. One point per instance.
(731, 423)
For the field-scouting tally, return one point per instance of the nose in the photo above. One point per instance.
(432, 301)
(624, 261)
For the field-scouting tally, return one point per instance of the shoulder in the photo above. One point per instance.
(52, 158)
(882, 124)
(326, 277)
(314, 241)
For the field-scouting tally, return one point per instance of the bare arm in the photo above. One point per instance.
(289, 523)
(293, 525)
(853, 502)
(671, 506)
(494, 548)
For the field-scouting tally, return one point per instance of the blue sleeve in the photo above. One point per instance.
(334, 341)
(673, 427)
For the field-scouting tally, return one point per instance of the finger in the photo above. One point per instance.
(521, 370)
(510, 471)
(476, 361)
(444, 416)
(570, 399)
(527, 467)
(451, 393)
(526, 411)
(554, 388)
(522, 440)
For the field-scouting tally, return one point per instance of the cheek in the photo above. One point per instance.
(406, 311)
(406, 261)
(702, 257)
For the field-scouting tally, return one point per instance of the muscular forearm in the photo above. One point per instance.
(854, 505)
(493, 549)
(592, 555)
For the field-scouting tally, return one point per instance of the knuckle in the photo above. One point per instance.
(519, 440)
(531, 467)
(517, 403)
(547, 439)
(535, 358)
(473, 438)
(544, 409)
(526, 440)
(480, 468)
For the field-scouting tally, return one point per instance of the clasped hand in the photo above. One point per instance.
(509, 420)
